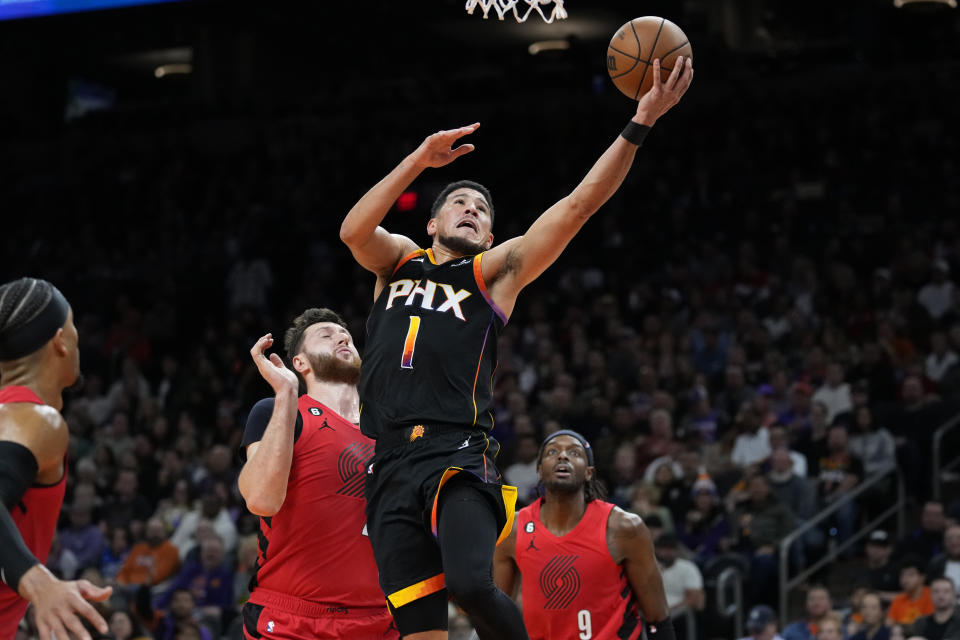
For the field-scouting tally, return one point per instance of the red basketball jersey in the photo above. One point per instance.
(36, 519)
(571, 587)
(316, 546)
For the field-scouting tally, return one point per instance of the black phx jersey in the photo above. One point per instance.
(431, 347)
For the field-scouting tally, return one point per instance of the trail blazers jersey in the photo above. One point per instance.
(431, 347)
(571, 587)
(316, 546)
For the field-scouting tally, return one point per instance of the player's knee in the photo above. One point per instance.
(470, 591)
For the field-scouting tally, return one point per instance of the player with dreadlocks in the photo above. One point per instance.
(587, 568)
(39, 358)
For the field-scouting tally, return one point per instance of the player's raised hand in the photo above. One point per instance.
(272, 368)
(59, 605)
(437, 149)
(664, 94)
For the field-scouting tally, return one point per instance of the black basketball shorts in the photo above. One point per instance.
(409, 469)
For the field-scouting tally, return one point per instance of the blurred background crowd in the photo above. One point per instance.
(762, 319)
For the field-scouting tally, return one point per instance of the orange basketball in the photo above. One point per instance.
(635, 45)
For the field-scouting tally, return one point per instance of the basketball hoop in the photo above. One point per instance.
(502, 7)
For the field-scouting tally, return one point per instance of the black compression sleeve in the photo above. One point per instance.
(18, 469)
(661, 630)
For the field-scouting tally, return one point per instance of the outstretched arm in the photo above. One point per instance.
(630, 544)
(374, 247)
(32, 445)
(263, 479)
(517, 262)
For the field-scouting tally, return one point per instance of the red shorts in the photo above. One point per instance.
(271, 615)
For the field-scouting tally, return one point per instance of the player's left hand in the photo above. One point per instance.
(272, 368)
(664, 94)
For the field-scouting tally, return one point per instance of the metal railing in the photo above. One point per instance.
(897, 508)
(937, 452)
(730, 579)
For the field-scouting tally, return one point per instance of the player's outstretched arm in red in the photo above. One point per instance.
(514, 264)
(263, 478)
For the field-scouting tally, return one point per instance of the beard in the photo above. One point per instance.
(461, 245)
(569, 485)
(330, 368)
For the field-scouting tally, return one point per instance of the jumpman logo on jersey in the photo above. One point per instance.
(325, 426)
(532, 547)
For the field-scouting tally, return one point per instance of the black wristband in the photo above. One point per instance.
(635, 133)
(662, 630)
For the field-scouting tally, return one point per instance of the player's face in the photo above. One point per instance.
(563, 466)
(328, 351)
(463, 223)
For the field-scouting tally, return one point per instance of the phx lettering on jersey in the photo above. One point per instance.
(410, 289)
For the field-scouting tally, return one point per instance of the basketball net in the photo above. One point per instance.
(502, 7)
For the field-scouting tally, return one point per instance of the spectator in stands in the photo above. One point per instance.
(839, 473)
(914, 601)
(883, 574)
(660, 444)
(645, 502)
(127, 504)
(182, 613)
(818, 607)
(758, 525)
(172, 510)
(152, 561)
(926, 540)
(124, 627)
(872, 625)
(940, 359)
(947, 563)
(212, 509)
(835, 393)
(705, 524)
(761, 624)
(735, 395)
(797, 417)
(210, 580)
(937, 295)
(798, 494)
(813, 443)
(752, 445)
(944, 622)
(831, 627)
(682, 581)
(872, 445)
(523, 473)
(82, 538)
(115, 554)
(763, 406)
(780, 439)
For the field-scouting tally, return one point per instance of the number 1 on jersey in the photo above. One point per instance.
(406, 361)
(585, 624)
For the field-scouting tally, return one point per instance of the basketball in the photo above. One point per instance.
(635, 45)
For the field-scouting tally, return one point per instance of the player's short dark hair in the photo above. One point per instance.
(293, 338)
(462, 184)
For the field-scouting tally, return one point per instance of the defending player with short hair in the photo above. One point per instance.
(435, 502)
(39, 358)
(587, 567)
(305, 463)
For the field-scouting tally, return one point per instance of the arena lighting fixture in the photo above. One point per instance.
(900, 3)
(172, 69)
(548, 45)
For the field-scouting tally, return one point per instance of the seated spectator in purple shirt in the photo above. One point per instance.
(182, 614)
(115, 554)
(210, 580)
(83, 538)
(705, 524)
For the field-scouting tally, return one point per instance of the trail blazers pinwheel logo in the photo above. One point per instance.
(351, 466)
(559, 582)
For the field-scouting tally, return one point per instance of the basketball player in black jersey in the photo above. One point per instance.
(435, 504)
